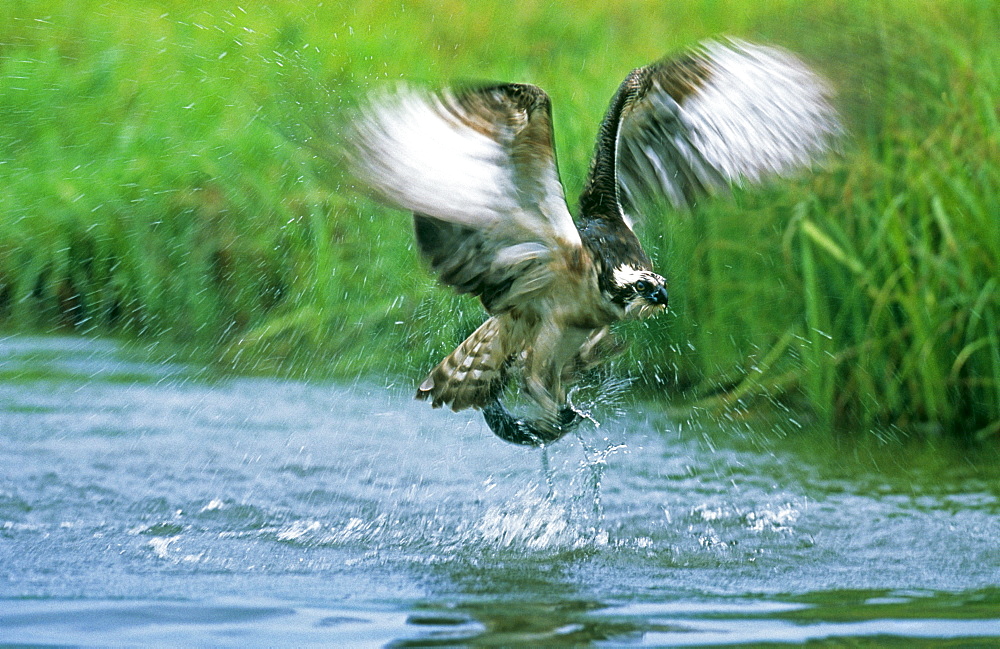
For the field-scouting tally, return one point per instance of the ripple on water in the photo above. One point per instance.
(438, 532)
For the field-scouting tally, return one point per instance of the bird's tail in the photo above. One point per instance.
(472, 376)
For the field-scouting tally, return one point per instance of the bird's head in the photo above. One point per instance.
(639, 292)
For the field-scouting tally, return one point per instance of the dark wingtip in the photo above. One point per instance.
(528, 433)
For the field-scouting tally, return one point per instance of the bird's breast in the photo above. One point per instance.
(579, 303)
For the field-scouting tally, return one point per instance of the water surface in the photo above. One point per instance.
(143, 503)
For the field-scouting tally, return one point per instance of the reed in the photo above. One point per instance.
(160, 184)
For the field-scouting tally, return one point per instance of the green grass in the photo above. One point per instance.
(153, 188)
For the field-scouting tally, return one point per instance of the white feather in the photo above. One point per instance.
(626, 275)
(411, 148)
(761, 112)
(747, 113)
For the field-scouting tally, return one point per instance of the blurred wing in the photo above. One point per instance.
(477, 167)
(501, 272)
(723, 114)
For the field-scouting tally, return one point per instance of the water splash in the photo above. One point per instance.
(533, 522)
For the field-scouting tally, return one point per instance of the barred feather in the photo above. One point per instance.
(474, 374)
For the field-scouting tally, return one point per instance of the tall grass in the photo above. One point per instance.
(153, 186)
(874, 297)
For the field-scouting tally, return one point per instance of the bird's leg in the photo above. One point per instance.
(600, 347)
(544, 387)
(550, 358)
(545, 360)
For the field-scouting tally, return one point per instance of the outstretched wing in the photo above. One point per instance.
(477, 167)
(724, 113)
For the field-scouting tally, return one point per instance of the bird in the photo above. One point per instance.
(475, 164)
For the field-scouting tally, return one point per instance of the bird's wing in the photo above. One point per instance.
(477, 167)
(722, 114)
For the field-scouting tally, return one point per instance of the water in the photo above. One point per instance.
(141, 504)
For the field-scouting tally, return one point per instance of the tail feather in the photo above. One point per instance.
(473, 375)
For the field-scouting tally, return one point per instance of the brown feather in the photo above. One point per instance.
(474, 374)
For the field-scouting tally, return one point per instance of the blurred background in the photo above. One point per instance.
(163, 182)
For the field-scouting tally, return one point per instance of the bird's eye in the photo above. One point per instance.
(642, 286)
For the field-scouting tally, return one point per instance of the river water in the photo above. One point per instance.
(143, 503)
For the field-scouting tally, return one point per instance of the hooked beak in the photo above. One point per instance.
(659, 296)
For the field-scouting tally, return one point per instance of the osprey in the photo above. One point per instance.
(476, 166)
